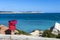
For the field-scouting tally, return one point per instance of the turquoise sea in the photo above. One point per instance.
(29, 22)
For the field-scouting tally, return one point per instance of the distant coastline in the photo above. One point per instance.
(12, 12)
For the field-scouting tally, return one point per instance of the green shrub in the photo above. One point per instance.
(58, 36)
(47, 33)
(22, 32)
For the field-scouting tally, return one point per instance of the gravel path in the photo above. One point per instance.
(23, 37)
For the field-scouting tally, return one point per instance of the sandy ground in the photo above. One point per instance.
(23, 37)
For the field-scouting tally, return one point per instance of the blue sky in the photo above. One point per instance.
(30, 5)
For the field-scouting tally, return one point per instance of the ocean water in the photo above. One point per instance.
(29, 22)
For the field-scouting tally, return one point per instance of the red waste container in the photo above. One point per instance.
(12, 25)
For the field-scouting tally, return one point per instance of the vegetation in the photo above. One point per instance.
(22, 32)
(47, 33)
(58, 36)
